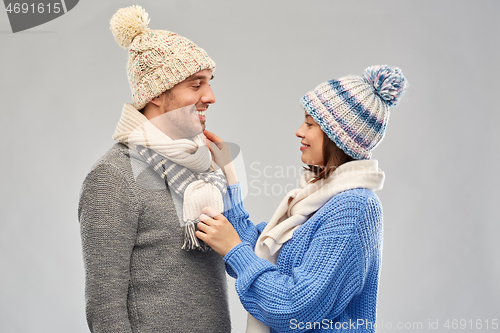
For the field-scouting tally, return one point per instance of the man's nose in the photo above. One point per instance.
(208, 97)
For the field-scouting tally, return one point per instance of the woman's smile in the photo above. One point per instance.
(304, 146)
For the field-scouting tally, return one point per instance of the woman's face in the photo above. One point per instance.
(312, 141)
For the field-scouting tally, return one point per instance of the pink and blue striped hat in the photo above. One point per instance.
(353, 110)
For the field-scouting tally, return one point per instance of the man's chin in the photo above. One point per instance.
(199, 131)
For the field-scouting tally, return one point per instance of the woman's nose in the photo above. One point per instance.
(300, 132)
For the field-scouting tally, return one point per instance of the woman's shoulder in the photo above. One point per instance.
(354, 197)
(350, 208)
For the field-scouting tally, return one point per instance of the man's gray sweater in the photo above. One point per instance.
(138, 279)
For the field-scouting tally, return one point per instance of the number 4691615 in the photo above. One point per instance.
(39, 8)
(472, 324)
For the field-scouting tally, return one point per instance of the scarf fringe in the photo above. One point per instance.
(191, 242)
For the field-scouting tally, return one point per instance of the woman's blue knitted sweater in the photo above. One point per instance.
(326, 276)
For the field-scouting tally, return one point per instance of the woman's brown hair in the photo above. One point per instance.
(333, 157)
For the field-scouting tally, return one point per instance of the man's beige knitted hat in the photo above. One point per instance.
(158, 59)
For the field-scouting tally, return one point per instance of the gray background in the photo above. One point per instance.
(63, 85)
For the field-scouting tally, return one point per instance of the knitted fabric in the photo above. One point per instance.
(137, 277)
(325, 277)
(158, 59)
(353, 111)
(300, 203)
(184, 164)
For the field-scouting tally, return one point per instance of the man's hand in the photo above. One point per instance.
(217, 232)
(222, 156)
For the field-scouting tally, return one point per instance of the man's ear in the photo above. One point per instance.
(158, 101)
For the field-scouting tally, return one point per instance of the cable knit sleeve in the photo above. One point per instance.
(108, 218)
(239, 217)
(321, 277)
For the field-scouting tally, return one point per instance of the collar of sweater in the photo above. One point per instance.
(350, 175)
(134, 129)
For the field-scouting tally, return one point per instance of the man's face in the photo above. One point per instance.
(183, 106)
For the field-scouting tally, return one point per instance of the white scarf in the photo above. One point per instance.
(135, 129)
(299, 204)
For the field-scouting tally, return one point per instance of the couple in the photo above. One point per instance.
(150, 209)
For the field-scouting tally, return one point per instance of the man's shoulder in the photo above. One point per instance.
(118, 155)
(125, 166)
(108, 177)
(114, 163)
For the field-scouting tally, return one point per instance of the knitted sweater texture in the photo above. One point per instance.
(138, 279)
(326, 276)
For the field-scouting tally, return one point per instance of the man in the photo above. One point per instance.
(144, 270)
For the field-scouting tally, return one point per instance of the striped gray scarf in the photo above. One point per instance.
(179, 179)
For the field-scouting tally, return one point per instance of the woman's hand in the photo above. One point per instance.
(222, 156)
(217, 232)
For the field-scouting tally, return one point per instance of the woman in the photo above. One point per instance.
(315, 266)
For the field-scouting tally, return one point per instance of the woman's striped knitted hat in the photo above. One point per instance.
(158, 59)
(353, 111)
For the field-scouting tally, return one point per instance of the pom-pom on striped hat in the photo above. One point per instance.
(353, 110)
(158, 59)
